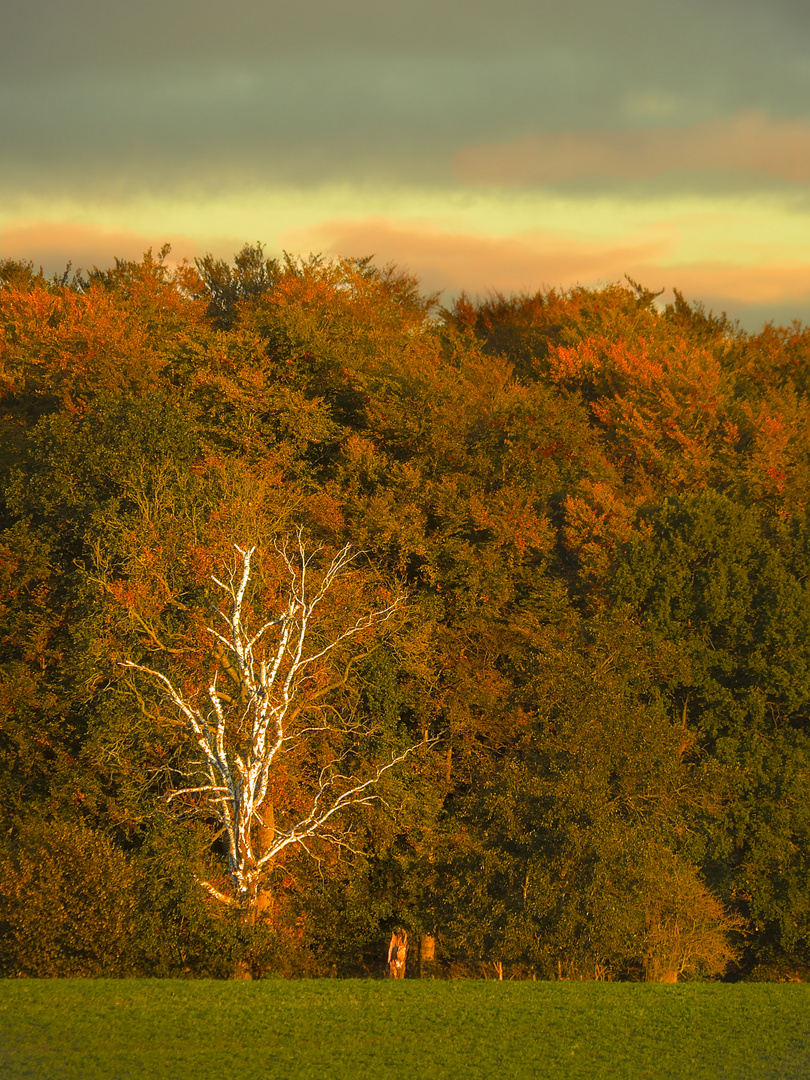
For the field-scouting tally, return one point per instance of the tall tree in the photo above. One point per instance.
(248, 733)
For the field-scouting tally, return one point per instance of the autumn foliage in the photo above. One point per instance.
(596, 509)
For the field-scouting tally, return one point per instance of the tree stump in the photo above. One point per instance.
(427, 956)
(397, 954)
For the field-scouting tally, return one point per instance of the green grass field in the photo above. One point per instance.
(332, 1030)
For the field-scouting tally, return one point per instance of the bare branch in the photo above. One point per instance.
(192, 790)
(216, 893)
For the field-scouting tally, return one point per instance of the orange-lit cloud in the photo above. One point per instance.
(766, 283)
(747, 142)
(456, 262)
(54, 244)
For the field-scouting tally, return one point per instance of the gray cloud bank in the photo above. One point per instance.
(190, 92)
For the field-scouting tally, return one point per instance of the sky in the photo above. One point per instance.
(482, 147)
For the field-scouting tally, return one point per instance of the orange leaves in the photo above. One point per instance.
(512, 519)
(342, 309)
(363, 460)
(778, 429)
(597, 520)
(108, 336)
(123, 593)
(72, 345)
(381, 298)
(575, 362)
(663, 401)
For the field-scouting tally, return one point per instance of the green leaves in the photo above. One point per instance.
(68, 903)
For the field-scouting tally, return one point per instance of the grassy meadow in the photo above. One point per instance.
(106, 1029)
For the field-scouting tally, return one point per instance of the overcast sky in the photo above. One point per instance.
(481, 146)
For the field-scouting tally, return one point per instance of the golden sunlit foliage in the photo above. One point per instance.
(596, 511)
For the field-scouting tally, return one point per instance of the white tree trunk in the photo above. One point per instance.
(243, 734)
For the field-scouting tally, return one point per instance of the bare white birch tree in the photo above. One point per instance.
(242, 735)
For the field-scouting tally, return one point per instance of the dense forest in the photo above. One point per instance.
(577, 584)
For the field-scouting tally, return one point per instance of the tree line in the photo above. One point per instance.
(575, 569)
